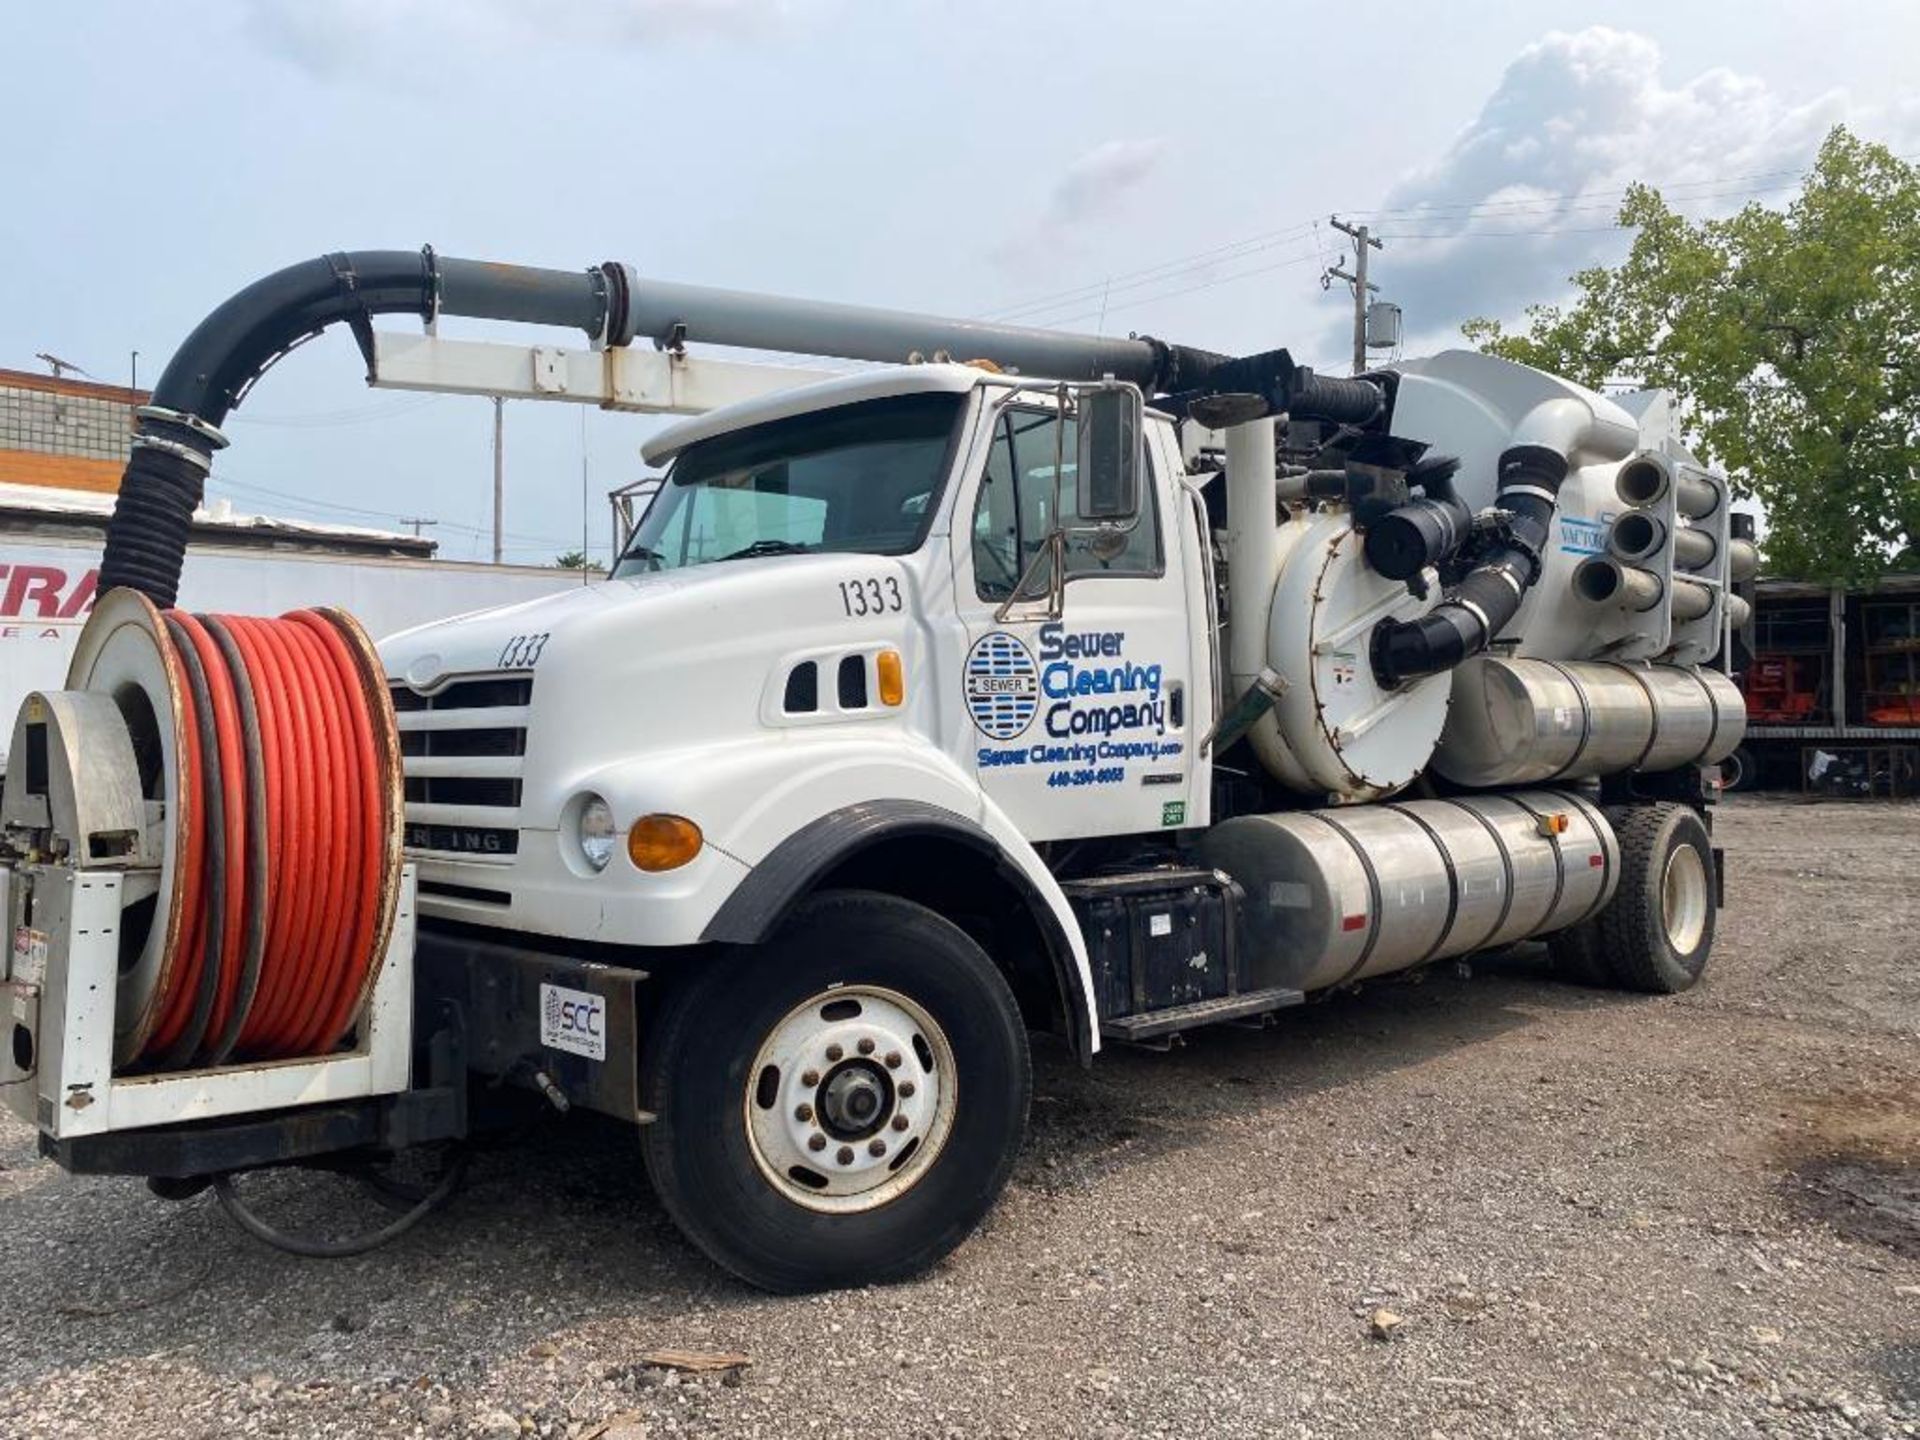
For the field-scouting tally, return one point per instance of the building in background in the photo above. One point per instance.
(64, 444)
(65, 433)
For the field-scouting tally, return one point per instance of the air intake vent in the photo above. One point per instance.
(467, 694)
(853, 683)
(489, 790)
(803, 689)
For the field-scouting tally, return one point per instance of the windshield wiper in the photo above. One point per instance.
(769, 547)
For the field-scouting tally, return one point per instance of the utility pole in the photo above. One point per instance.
(417, 523)
(586, 568)
(499, 472)
(1362, 242)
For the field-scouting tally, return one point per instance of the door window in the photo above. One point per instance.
(1028, 489)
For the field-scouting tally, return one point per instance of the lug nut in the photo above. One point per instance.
(834, 1052)
(893, 1059)
(803, 1114)
(899, 1122)
(816, 1142)
(866, 1047)
(810, 1078)
(845, 1157)
(906, 1089)
(876, 1147)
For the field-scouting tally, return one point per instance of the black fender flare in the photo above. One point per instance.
(771, 889)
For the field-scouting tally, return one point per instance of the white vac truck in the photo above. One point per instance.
(1031, 682)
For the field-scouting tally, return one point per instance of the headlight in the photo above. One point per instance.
(597, 833)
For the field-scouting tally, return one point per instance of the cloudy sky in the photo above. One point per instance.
(1112, 166)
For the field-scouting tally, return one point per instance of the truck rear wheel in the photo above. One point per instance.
(1656, 932)
(1739, 771)
(840, 1105)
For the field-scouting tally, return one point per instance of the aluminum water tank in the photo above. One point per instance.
(1524, 721)
(1341, 894)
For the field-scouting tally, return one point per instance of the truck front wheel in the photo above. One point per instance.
(840, 1105)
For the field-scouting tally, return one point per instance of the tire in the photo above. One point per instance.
(732, 1155)
(1739, 771)
(1575, 955)
(1657, 931)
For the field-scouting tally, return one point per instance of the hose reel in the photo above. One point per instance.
(248, 774)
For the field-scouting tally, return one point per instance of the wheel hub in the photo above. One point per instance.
(855, 1100)
(850, 1099)
(1684, 899)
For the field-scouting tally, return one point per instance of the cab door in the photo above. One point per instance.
(1081, 723)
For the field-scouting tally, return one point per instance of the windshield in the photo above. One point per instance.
(856, 478)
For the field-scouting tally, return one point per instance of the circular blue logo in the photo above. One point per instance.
(1003, 685)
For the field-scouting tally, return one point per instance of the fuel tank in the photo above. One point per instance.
(1521, 721)
(1338, 895)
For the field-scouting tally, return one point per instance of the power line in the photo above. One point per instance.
(1165, 269)
(1041, 309)
(321, 508)
(1715, 188)
(1140, 300)
(1503, 234)
(357, 415)
(1606, 198)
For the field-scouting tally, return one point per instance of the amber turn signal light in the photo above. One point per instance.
(893, 677)
(663, 842)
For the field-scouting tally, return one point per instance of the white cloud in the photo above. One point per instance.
(1099, 181)
(347, 37)
(1096, 186)
(1573, 121)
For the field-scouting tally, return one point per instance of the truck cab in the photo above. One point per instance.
(839, 600)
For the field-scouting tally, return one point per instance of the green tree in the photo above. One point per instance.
(574, 560)
(1792, 339)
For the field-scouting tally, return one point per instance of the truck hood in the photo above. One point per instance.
(638, 611)
(680, 660)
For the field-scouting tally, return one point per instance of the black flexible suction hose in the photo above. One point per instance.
(1467, 621)
(179, 431)
(1222, 390)
(1343, 402)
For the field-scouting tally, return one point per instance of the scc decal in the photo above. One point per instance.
(574, 1021)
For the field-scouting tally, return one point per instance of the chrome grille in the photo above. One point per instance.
(462, 746)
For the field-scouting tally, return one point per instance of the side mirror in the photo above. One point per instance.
(1109, 463)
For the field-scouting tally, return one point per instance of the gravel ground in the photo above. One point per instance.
(1594, 1214)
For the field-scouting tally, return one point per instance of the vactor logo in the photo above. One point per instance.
(1003, 685)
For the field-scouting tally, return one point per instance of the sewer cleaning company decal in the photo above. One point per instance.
(1100, 709)
(1003, 685)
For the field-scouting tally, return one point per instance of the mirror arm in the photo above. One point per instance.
(1053, 552)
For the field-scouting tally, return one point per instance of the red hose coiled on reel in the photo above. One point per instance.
(289, 839)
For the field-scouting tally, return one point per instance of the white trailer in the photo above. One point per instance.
(1108, 688)
(247, 564)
